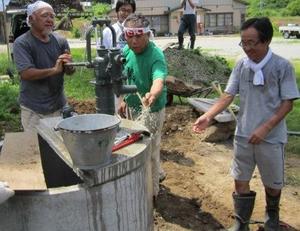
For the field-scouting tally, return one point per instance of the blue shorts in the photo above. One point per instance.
(269, 159)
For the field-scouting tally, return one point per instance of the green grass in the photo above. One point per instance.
(9, 108)
(78, 85)
(4, 64)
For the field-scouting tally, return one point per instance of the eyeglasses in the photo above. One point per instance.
(123, 10)
(250, 44)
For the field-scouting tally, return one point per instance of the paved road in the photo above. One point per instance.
(226, 46)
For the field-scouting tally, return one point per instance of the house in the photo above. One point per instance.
(225, 16)
(213, 16)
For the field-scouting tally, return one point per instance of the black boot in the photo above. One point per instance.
(193, 38)
(272, 213)
(243, 207)
(180, 41)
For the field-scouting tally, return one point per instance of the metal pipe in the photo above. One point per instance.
(108, 70)
(88, 43)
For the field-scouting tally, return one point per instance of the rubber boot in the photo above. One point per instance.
(180, 41)
(243, 207)
(193, 38)
(272, 213)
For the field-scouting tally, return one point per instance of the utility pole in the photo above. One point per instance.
(5, 31)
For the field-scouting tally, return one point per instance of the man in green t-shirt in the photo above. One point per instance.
(146, 68)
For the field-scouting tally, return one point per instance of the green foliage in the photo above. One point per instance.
(9, 108)
(293, 145)
(78, 85)
(294, 8)
(76, 33)
(101, 9)
(269, 8)
(4, 63)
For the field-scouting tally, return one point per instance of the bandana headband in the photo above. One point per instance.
(31, 8)
(130, 32)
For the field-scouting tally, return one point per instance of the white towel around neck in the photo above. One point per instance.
(256, 68)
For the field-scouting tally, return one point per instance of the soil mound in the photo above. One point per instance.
(196, 68)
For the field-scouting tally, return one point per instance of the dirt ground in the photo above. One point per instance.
(196, 194)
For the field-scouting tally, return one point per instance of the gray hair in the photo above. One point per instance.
(136, 20)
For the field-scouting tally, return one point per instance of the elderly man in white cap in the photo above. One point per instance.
(40, 56)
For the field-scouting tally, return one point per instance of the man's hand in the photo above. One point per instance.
(67, 58)
(61, 60)
(5, 192)
(122, 109)
(201, 124)
(148, 99)
(59, 66)
(259, 134)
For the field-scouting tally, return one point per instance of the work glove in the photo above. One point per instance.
(5, 192)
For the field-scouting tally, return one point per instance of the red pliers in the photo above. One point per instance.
(133, 137)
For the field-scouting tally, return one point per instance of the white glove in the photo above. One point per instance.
(5, 192)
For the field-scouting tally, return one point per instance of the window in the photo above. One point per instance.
(218, 20)
(228, 20)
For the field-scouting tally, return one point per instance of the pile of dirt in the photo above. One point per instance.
(196, 194)
(196, 68)
(83, 107)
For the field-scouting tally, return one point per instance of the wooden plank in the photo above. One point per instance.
(20, 162)
(203, 104)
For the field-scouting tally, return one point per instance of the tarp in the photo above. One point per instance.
(5, 4)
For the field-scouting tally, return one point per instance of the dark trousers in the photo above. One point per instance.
(187, 22)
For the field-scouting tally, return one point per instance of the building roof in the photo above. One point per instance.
(179, 7)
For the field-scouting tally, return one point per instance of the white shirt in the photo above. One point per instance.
(188, 9)
(107, 36)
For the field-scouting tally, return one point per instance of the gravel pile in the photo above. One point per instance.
(196, 68)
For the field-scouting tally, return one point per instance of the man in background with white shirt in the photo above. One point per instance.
(123, 9)
(187, 21)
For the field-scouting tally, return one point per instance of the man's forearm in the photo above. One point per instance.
(285, 107)
(157, 87)
(34, 74)
(224, 101)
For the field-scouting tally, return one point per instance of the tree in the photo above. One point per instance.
(293, 8)
(273, 8)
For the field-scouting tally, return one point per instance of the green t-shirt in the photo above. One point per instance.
(141, 70)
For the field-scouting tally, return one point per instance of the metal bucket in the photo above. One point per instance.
(89, 138)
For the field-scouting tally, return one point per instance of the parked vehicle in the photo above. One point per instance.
(18, 25)
(290, 30)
